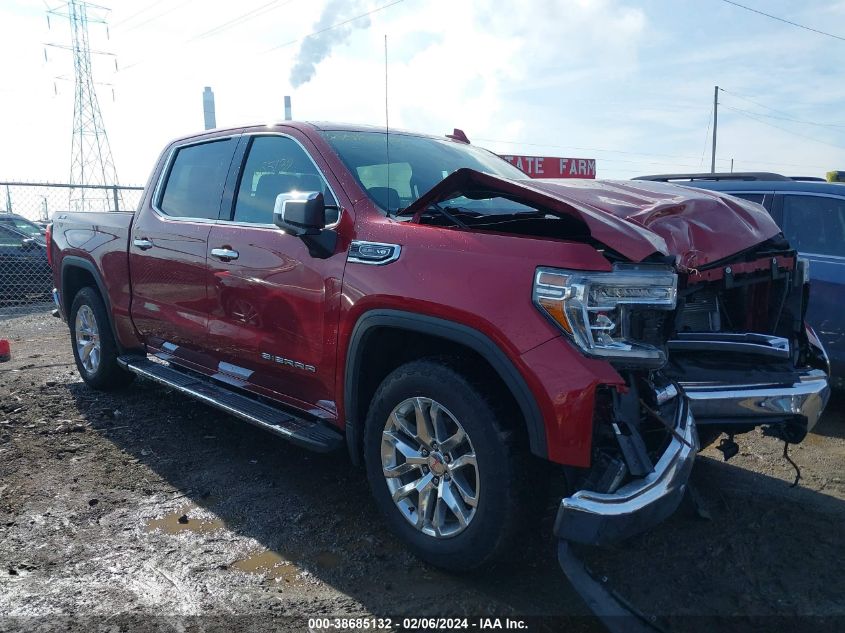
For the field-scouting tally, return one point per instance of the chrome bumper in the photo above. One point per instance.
(599, 518)
(757, 403)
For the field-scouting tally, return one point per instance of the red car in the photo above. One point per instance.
(452, 323)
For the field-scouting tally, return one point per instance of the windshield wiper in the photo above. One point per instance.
(444, 211)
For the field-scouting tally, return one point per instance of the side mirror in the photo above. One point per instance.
(300, 213)
(28, 243)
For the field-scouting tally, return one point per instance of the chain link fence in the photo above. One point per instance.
(26, 208)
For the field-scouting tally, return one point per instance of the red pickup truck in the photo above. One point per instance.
(451, 322)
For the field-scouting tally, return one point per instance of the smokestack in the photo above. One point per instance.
(208, 109)
(288, 116)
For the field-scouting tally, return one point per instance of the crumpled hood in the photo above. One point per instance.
(634, 218)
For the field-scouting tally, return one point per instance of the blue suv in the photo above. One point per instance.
(811, 213)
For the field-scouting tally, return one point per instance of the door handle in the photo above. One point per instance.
(226, 254)
(144, 244)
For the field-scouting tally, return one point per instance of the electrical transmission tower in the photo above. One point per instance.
(91, 157)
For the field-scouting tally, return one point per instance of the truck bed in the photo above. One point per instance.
(97, 244)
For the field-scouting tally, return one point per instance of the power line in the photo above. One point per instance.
(334, 26)
(793, 120)
(139, 12)
(157, 16)
(784, 116)
(240, 19)
(784, 20)
(750, 100)
(220, 28)
(249, 15)
(783, 129)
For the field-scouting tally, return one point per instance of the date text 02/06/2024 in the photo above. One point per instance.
(416, 624)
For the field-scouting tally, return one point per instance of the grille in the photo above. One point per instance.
(700, 313)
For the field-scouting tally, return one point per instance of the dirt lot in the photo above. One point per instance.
(132, 508)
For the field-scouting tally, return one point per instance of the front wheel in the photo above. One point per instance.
(94, 348)
(442, 467)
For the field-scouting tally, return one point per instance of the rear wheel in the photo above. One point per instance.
(442, 467)
(94, 348)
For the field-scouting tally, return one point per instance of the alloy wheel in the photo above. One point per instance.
(430, 467)
(87, 339)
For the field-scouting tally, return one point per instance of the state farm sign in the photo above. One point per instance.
(552, 167)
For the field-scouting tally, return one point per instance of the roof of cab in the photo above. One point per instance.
(322, 126)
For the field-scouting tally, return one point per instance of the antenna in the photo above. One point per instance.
(386, 132)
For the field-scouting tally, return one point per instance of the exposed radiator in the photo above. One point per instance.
(700, 314)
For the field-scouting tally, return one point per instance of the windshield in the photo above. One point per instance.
(417, 163)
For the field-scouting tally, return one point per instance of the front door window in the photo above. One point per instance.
(276, 164)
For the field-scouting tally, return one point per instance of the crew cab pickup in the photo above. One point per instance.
(451, 322)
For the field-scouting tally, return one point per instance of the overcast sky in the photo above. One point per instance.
(628, 83)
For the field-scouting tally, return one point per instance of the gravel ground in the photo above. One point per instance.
(138, 507)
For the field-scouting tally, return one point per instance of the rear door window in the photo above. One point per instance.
(195, 182)
(815, 224)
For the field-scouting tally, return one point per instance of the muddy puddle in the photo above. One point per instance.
(268, 564)
(277, 567)
(185, 519)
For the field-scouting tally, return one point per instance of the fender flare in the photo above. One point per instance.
(73, 261)
(451, 331)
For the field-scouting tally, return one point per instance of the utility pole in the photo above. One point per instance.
(208, 113)
(715, 121)
(91, 157)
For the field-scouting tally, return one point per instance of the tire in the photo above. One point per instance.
(500, 475)
(97, 362)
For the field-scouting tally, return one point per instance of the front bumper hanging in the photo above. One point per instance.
(600, 518)
(721, 404)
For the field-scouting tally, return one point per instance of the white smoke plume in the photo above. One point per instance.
(317, 47)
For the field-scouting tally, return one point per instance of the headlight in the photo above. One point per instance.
(594, 308)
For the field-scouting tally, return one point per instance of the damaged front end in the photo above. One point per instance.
(645, 444)
(741, 351)
(700, 311)
(720, 349)
(644, 436)
(723, 349)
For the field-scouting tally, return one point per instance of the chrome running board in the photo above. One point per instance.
(313, 435)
